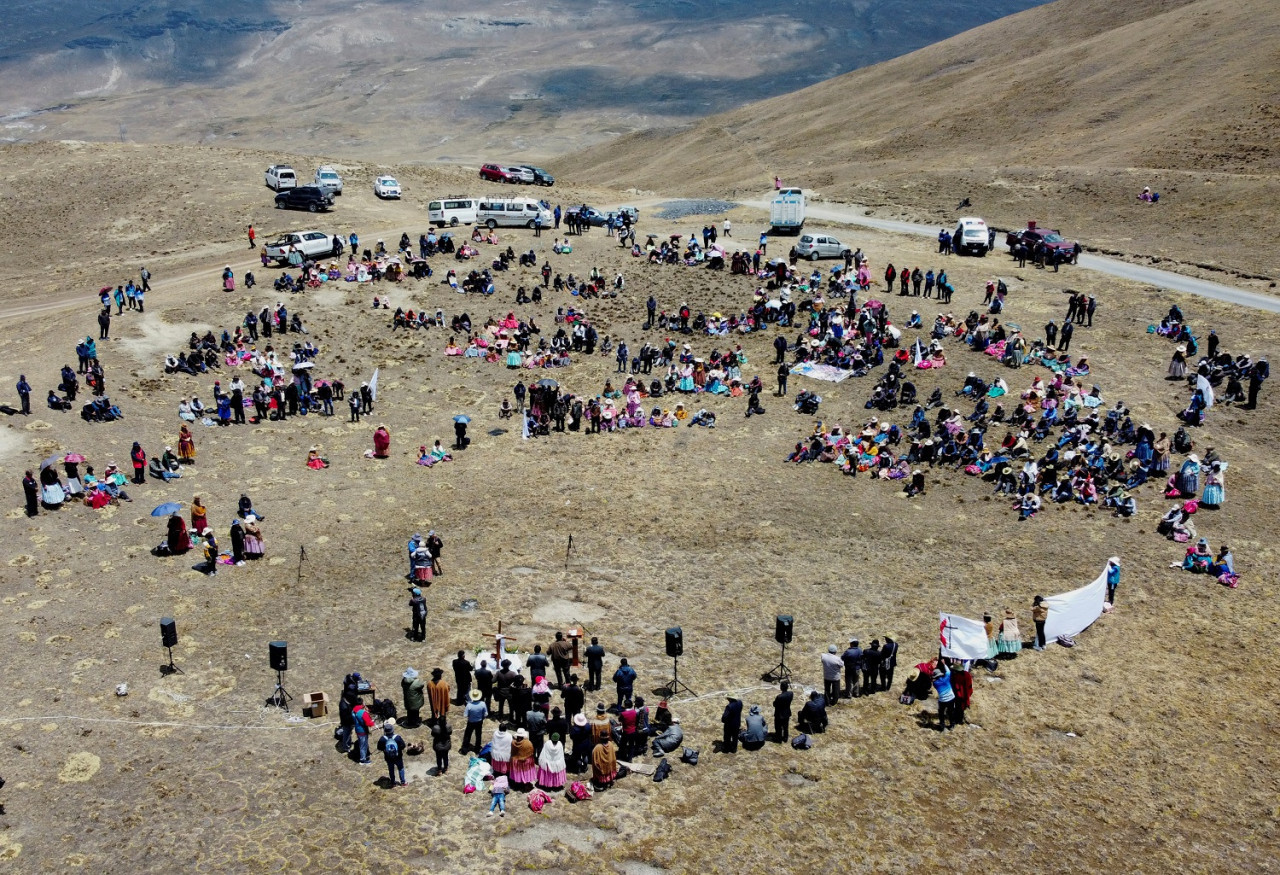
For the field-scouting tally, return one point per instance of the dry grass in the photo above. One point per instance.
(1173, 756)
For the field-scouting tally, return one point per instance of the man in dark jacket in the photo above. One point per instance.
(852, 665)
(888, 662)
(732, 720)
(461, 677)
(573, 697)
(813, 716)
(625, 679)
(505, 679)
(31, 490)
(537, 663)
(595, 664)
(871, 668)
(484, 682)
(418, 613)
(782, 712)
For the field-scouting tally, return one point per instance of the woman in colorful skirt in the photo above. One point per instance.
(500, 750)
(1214, 485)
(524, 769)
(1009, 639)
(552, 768)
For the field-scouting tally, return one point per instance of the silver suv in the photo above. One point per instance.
(328, 180)
(815, 246)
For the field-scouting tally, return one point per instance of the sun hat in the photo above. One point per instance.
(475, 696)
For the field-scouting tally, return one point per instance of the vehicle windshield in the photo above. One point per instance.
(1052, 238)
(388, 180)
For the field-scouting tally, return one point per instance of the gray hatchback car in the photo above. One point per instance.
(815, 246)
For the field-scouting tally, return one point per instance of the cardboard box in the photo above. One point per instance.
(315, 705)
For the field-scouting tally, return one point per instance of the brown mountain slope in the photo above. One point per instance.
(1061, 113)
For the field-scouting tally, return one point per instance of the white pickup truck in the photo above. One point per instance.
(312, 244)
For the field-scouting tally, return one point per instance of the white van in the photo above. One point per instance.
(512, 212)
(971, 237)
(281, 176)
(453, 211)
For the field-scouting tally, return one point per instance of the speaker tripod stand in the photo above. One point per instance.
(779, 672)
(280, 698)
(675, 685)
(170, 668)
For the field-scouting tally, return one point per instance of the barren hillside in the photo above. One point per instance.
(1061, 113)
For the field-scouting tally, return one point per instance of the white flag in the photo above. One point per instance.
(917, 352)
(962, 638)
(373, 384)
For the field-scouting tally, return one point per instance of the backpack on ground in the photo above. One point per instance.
(662, 772)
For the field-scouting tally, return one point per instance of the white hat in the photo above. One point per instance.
(389, 726)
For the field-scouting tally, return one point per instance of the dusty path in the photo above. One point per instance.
(1137, 273)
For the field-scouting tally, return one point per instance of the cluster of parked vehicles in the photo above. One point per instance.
(522, 174)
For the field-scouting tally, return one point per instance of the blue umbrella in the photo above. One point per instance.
(462, 417)
(167, 508)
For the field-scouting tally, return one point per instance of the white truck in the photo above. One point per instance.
(280, 177)
(312, 244)
(971, 237)
(786, 214)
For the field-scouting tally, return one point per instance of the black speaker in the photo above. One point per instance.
(782, 629)
(168, 632)
(675, 641)
(279, 652)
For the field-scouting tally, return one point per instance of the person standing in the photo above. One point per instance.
(139, 458)
(362, 722)
(852, 664)
(573, 697)
(484, 682)
(253, 236)
(411, 687)
(651, 308)
(418, 611)
(871, 668)
(561, 652)
(438, 695)
(392, 747)
(1113, 578)
(625, 680)
(555, 216)
(728, 228)
(505, 679)
(946, 696)
(782, 712)
(731, 721)
(461, 677)
(1065, 336)
(784, 371)
(146, 279)
(31, 491)
(104, 324)
(498, 790)
(1039, 613)
(1257, 376)
(475, 712)
(1089, 308)
(537, 664)
(595, 664)
(832, 668)
(24, 394)
(888, 662)
(1050, 333)
(441, 741)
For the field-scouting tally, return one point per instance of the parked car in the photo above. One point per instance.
(1033, 235)
(815, 246)
(281, 176)
(522, 175)
(312, 244)
(540, 176)
(327, 179)
(591, 216)
(386, 187)
(494, 173)
(305, 197)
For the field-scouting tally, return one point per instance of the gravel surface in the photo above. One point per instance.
(679, 209)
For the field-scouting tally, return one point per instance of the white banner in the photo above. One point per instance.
(962, 638)
(820, 372)
(373, 384)
(1072, 612)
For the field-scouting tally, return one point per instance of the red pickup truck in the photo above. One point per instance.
(1032, 235)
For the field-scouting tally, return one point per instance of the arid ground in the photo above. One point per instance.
(1151, 746)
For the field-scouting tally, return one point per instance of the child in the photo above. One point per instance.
(498, 789)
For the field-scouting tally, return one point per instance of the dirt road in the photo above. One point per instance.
(1160, 278)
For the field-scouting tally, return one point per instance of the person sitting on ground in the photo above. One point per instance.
(813, 716)
(670, 739)
(756, 732)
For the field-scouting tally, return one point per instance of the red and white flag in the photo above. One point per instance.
(961, 638)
